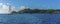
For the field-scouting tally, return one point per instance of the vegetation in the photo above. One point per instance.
(49, 11)
(14, 12)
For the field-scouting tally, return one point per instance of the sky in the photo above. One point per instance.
(22, 4)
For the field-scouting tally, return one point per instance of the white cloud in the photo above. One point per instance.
(1, 3)
(44, 5)
(3, 8)
(8, 3)
(23, 7)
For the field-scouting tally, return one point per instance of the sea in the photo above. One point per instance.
(29, 18)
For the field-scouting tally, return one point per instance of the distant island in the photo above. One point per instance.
(33, 11)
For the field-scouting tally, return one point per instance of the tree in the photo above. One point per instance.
(50, 11)
(35, 11)
(24, 11)
(14, 12)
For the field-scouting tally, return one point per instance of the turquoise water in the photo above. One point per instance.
(30, 19)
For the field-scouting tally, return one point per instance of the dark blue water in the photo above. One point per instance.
(30, 19)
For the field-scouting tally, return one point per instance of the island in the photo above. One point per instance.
(40, 11)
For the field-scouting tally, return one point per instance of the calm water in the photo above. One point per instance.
(30, 19)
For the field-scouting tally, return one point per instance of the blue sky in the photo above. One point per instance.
(22, 4)
(40, 4)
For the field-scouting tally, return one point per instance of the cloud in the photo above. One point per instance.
(44, 5)
(3, 8)
(1, 3)
(23, 7)
(8, 3)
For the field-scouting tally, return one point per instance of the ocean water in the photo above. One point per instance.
(30, 19)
